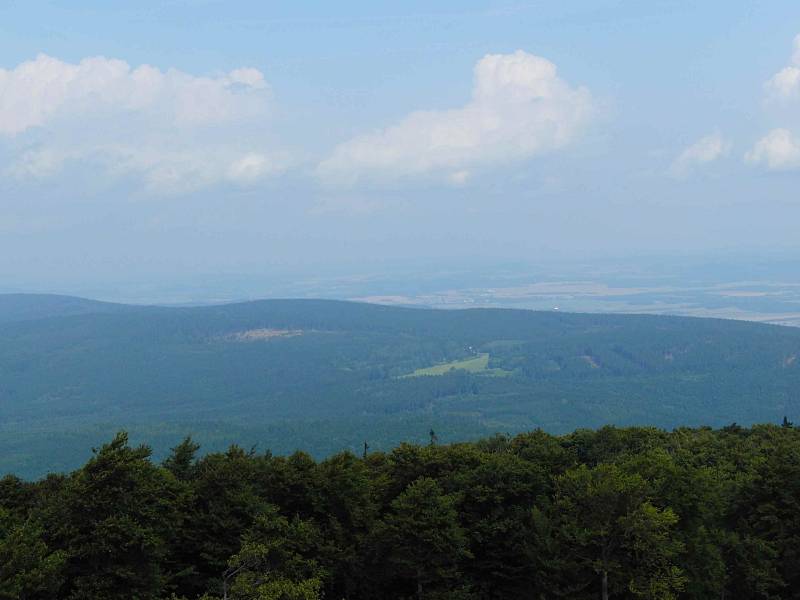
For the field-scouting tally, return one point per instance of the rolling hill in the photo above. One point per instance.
(326, 375)
(26, 307)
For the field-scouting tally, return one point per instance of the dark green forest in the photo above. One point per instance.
(322, 375)
(635, 512)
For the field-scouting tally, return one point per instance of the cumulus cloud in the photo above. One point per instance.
(175, 130)
(519, 108)
(785, 84)
(779, 150)
(703, 152)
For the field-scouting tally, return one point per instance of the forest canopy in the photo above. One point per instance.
(631, 513)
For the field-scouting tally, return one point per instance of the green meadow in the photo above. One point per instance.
(476, 364)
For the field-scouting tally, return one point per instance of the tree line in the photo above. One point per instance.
(609, 513)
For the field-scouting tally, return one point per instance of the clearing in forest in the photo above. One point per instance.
(475, 364)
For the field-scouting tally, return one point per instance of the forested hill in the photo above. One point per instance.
(693, 514)
(26, 307)
(328, 375)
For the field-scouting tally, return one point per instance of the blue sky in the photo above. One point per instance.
(177, 140)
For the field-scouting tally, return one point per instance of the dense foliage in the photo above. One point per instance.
(631, 513)
(325, 375)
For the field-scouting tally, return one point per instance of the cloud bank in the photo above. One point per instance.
(519, 108)
(175, 130)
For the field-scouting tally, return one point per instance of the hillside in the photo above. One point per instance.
(327, 375)
(26, 307)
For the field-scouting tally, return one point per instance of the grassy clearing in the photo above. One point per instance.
(476, 364)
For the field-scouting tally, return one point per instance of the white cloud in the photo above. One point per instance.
(785, 84)
(163, 169)
(779, 150)
(175, 130)
(40, 91)
(519, 108)
(252, 167)
(704, 151)
(459, 178)
(248, 77)
(180, 170)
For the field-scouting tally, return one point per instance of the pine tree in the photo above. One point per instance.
(182, 461)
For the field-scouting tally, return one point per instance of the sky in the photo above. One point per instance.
(182, 141)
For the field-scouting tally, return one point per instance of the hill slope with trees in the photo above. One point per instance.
(326, 375)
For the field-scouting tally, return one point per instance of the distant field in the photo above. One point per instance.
(765, 302)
